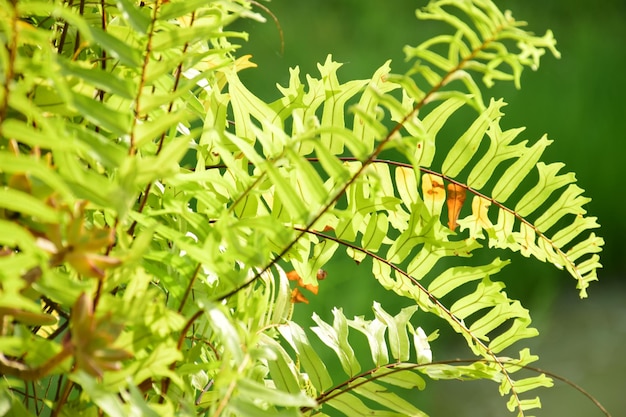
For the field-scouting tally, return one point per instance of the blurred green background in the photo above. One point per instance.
(577, 100)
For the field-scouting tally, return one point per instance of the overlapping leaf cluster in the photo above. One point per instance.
(149, 199)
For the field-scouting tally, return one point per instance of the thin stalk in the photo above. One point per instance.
(64, 396)
(142, 80)
(66, 27)
(177, 75)
(276, 22)
(165, 384)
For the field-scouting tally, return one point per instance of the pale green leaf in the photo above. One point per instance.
(21, 202)
(100, 114)
(414, 234)
(513, 176)
(374, 330)
(427, 258)
(407, 180)
(242, 406)
(397, 328)
(283, 190)
(434, 58)
(376, 231)
(177, 37)
(310, 185)
(167, 161)
(115, 46)
(175, 9)
(93, 33)
(146, 131)
(138, 402)
(403, 376)
(519, 330)
(515, 403)
(322, 253)
(27, 134)
(252, 389)
(548, 182)
(11, 406)
(501, 312)
(569, 202)
(108, 401)
(531, 383)
(385, 397)
(337, 172)
(499, 150)
(486, 294)
(224, 328)
(137, 17)
(282, 369)
(18, 263)
(351, 406)
(467, 145)
(454, 277)
(246, 106)
(313, 365)
(593, 244)
(368, 104)
(336, 337)
(422, 347)
(100, 148)
(473, 371)
(336, 95)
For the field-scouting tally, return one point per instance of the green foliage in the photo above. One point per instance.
(151, 204)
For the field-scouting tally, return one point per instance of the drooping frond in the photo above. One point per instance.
(400, 357)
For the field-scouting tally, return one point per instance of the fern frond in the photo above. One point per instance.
(387, 215)
(388, 337)
(488, 300)
(346, 397)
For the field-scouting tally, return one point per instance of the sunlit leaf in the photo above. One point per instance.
(310, 360)
(467, 145)
(336, 337)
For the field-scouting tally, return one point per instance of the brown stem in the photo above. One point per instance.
(103, 57)
(64, 396)
(165, 384)
(189, 286)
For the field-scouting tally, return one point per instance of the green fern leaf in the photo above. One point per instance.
(467, 145)
(311, 362)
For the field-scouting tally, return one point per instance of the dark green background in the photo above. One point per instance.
(577, 100)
